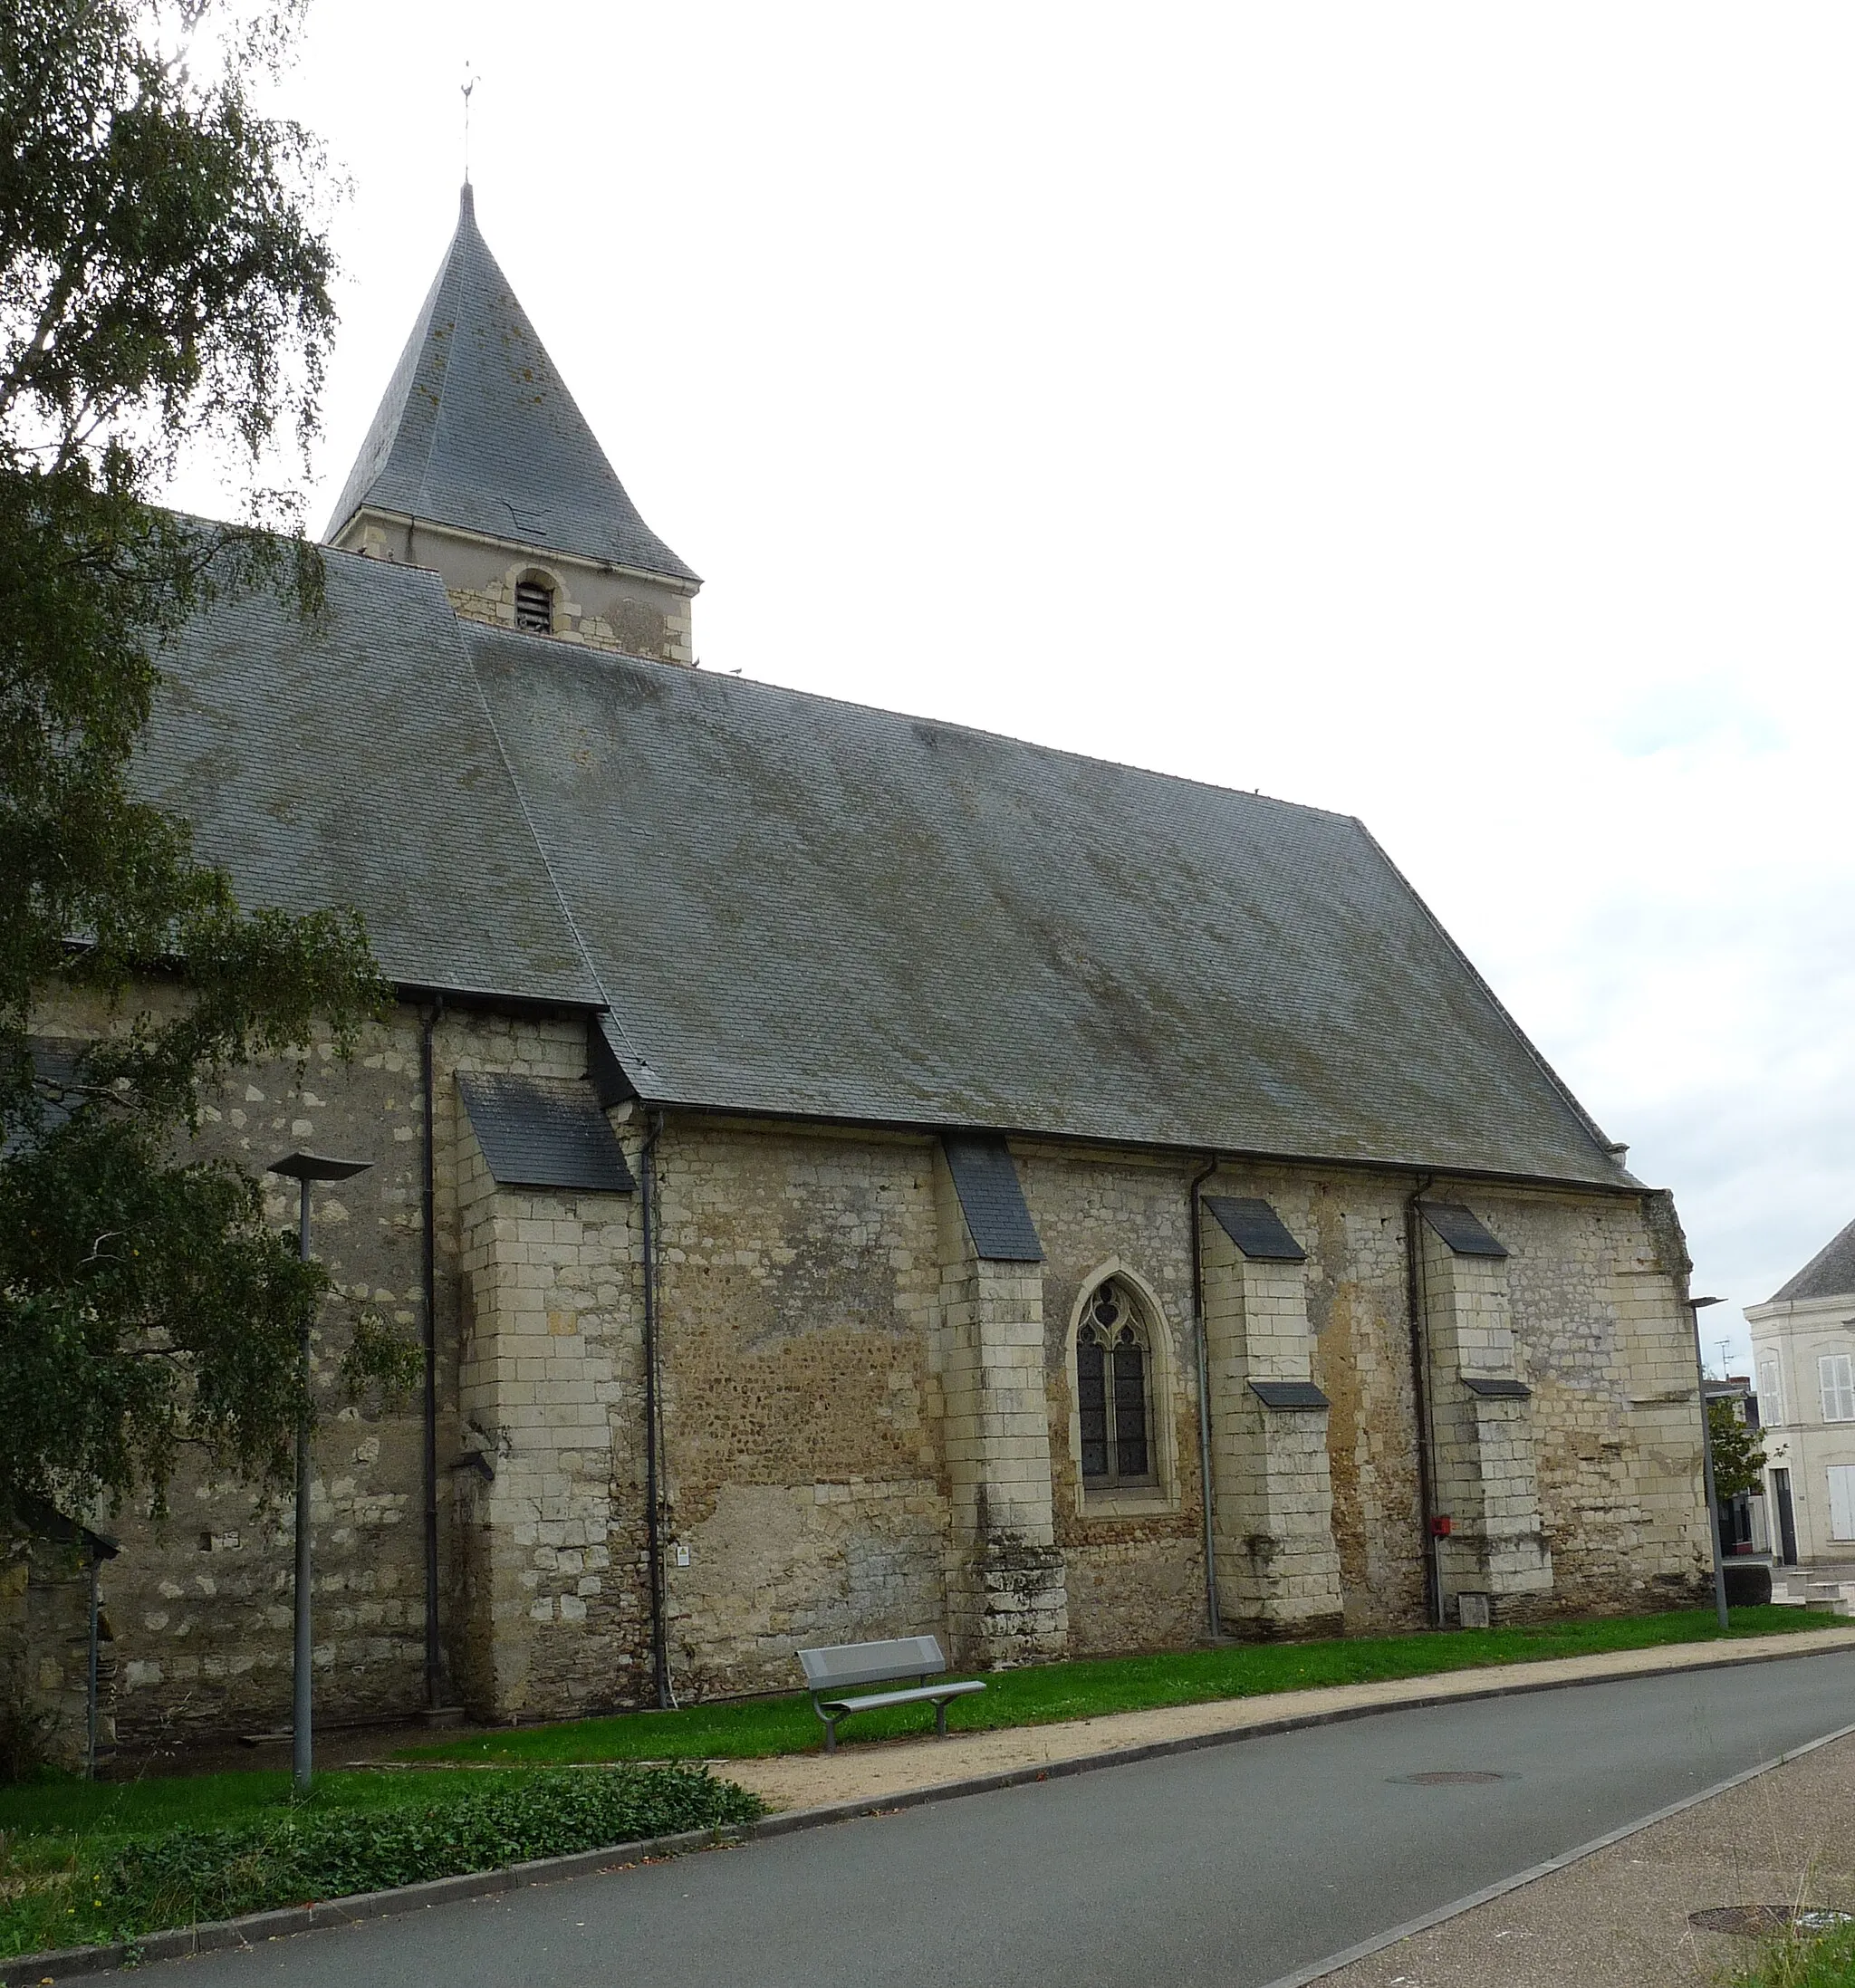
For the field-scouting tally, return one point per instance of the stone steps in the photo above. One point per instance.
(1832, 1597)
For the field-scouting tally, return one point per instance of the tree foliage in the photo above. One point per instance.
(164, 285)
(1739, 1457)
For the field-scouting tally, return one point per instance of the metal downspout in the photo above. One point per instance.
(89, 1682)
(653, 1517)
(434, 1689)
(1415, 1299)
(1212, 1624)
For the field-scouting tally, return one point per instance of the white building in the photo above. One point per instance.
(1803, 1361)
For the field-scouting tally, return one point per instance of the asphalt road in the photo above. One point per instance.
(1231, 1866)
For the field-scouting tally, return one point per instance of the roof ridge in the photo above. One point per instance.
(729, 681)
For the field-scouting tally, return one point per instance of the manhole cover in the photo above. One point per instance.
(1760, 1922)
(1449, 1777)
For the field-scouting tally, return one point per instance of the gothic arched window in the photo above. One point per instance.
(1114, 1390)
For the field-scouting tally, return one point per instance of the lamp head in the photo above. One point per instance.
(317, 1166)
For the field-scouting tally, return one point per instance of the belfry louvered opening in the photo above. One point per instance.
(535, 607)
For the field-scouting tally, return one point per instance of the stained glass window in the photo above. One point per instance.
(1114, 1391)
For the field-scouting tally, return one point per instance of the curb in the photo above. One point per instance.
(215, 1935)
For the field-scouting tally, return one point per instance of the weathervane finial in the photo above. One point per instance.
(471, 79)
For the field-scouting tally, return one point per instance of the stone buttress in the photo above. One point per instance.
(1278, 1569)
(1486, 1477)
(1006, 1590)
(549, 1339)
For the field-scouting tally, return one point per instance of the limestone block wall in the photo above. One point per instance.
(200, 1601)
(596, 607)
(1278, 1571)
(553, 1616)
(1486, 1478)
(805, 1476)
(1006, 1596)
(1358, 1311)
(1134, 1563)
(1604, 1337)
(856, 1413)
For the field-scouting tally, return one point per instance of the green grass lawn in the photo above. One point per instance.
(1046, 1693)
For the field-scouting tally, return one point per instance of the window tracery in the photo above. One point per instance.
(1114, 1390)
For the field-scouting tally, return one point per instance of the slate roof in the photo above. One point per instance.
(1461, 1229)
(992, 1199)
(803, 907)
(478, 431)
(352, 763)
(1829, 1273)
(799, 906)
(544, 1132)
(1255, 1228)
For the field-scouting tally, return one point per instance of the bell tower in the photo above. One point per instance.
(480, 465)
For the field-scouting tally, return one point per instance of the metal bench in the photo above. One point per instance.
(832, 1672)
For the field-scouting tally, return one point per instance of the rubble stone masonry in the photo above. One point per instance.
(870, 1431)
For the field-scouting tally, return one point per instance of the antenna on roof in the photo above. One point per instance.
(471, 79)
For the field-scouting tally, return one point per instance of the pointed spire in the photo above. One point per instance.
(478, 431)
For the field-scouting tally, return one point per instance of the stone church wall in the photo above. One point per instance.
(804, 1474)
(593, 606)
(200, 1602)
(1136, 1559)
(847, 1452)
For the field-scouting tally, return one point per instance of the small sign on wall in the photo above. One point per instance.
(1475, 1611)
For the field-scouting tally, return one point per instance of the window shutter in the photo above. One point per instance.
(535, 607)
(1835, 1375)
(1842, 1500)
(1771, 1396)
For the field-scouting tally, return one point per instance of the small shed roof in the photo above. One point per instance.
(544, 1133)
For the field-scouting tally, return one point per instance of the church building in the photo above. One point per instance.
(857, 1175)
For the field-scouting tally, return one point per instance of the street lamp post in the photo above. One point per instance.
(1697, 1306)
(302, 1168)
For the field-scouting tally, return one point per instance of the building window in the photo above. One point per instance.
(534, 606)
(1835, 1375)
(1114, 1391)
(1771, 1393)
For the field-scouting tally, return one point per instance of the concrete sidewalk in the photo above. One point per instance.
(1785, 1838)
(879, 1769)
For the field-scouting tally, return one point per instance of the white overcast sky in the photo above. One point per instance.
(1441, 413)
